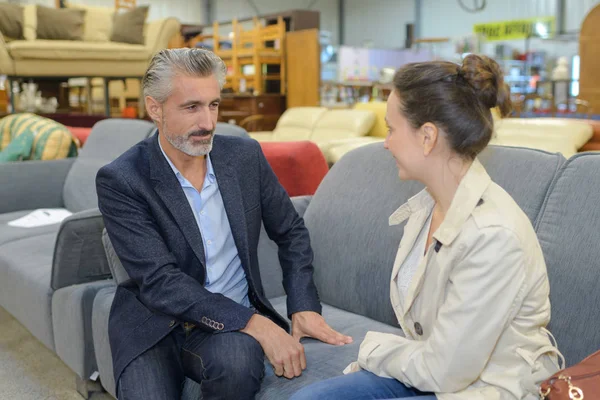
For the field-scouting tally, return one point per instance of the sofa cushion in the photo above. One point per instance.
(323, 361)
(569, 235)
(297, 123)
(98, 22)
(348, 219)
(109, 139)
(29, 21)
(379, 128)
(11, 21)
(59, 24)
(76, 50)
(128, 26)
(299, 166)
(25, 267)
(341, 124)
(10, 233)
(536, 171)
(577, 131)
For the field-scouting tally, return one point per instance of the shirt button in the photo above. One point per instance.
(418, 329)
(209, 242)
(202, 212)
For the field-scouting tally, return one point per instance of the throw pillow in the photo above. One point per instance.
(98, 22)
(11, 21)
(51, 140)
(59, 24)
(29, 21)
(128, 27)
(19, 148)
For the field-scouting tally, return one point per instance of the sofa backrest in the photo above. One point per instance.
(569, 233)
(536, 171)
(108, 139)
(226, 129)
(379, 128)
(297, 123)
(347, 219)
(342, 124)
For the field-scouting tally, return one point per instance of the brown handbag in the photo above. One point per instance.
(579, 382)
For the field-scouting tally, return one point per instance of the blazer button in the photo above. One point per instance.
(171, 324)
(418, 329)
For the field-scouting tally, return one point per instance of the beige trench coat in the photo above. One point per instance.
(477, 307)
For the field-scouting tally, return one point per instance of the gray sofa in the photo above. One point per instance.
(51, 271)
(355, 248)
(49, 276)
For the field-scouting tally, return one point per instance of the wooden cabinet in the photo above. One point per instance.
(240, 106)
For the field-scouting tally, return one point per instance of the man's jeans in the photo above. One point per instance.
(362, 385)
(227, 366)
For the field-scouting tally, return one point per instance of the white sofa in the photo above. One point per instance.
(320, 125)
(557, 135)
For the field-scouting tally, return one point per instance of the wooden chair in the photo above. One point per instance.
(253, 123)
(227, 55)
(260, 46)
(271, 50)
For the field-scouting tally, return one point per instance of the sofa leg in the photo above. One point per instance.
(87, 388)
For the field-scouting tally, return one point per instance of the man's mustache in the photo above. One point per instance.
(202, 132)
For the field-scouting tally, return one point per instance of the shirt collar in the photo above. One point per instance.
(466, 199)
(210, 172)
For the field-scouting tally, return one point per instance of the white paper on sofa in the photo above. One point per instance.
(41, 217)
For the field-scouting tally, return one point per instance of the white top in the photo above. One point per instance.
(414, 258)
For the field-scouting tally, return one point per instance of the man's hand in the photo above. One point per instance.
(283, 351)
(312, 324)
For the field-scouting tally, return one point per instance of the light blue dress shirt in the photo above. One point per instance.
(224, 272)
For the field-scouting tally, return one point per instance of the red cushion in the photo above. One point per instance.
(300, 166)
(80, 133)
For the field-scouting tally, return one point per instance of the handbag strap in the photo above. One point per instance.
(575, 393)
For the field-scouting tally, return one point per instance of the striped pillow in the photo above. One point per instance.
(51, 141)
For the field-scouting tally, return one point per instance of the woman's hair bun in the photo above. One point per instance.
(485, 76)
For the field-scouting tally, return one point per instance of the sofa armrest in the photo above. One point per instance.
(26, 185)
(160, 32)
(79, 255)
(301, 204)
(6, 62)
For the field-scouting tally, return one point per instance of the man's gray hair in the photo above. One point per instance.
(167, 63)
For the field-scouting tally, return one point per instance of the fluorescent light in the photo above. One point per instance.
(541, 29)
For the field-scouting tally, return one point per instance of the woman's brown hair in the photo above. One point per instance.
(456, 98)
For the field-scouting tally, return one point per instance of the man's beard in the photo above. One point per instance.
(193, 147)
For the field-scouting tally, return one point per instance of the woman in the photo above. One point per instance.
(469, 285)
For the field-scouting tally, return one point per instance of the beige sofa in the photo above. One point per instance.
(35, 58)
(556, 135)
(327, 128)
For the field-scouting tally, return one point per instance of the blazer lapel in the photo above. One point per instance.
(169, 189)
(229, 187)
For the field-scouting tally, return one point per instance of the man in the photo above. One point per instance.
(183, 210)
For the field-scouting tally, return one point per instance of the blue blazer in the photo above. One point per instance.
(153, 230)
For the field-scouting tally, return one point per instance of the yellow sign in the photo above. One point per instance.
(517, 29)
